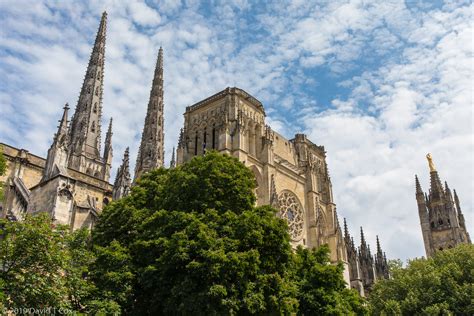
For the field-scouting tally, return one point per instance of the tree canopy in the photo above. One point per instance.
(190, 240)
(441, 285)
(45, 265)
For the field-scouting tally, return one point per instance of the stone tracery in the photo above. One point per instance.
(292, 212)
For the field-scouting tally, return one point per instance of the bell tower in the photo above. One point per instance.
(441, 219)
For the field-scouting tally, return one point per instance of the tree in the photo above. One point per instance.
(190, 240)
(321, 286)
(31, 254)
(441, 285)
(46, 265)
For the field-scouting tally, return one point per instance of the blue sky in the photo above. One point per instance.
(378, 83)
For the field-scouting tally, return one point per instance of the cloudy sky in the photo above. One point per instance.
(378, 83)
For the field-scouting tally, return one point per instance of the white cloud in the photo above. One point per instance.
(409, 70)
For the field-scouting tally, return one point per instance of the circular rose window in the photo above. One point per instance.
(292, 212)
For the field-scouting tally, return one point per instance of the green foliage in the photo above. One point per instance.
(32, 259)
(189, 240)
(321, 286)
(43, 265)
(441, 285)
(3, 170)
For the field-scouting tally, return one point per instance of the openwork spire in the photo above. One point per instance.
(173, 159)
(273, 194)
(122, 182)
(151, 151)
(86, 123)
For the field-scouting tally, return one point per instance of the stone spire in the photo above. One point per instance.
(151, 151)
(436, 188)
(418, 186)
(273, 194)
(85, 129)
(108, 152)
(122, 182)
(56, 160)
(173, 159)
(381, 264)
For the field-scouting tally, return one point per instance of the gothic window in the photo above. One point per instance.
(88, 89)
(93, 127)
(213, 138)
(95, 108)
(440, 222)
(291, 211)
(196, 144)
(204, 142)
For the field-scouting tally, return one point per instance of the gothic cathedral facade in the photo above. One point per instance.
(72, 183)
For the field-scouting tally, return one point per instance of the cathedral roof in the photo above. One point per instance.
(228, 91)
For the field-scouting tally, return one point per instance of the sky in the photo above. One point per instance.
(378, 83)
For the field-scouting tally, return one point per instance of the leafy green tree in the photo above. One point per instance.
(46, 265)
(321, 286)
(190, 240)
(441, 285)
(32, 259)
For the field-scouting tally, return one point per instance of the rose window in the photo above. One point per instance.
(292, 212)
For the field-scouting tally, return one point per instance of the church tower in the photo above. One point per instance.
(441, 219)
(151, 151)
(85, 129)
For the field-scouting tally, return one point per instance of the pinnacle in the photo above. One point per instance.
(379, 249)
(418, 186)
(346, 231)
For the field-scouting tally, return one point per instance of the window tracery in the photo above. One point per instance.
(292, 212)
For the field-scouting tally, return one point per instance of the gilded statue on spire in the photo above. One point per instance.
(430, 162)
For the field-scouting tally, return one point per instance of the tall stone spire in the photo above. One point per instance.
(56, 160)
(273, 194)
(381, 264)
(173, 159)
(108, 153)
(122, 182)
(85, 129)
(151, 151)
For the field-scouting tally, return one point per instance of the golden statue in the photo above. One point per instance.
(430, 162)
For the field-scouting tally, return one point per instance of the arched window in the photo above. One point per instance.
(440, 222)
(214, 138)
(196, 144)
(204, 142)
(93, 127)
(95, 108)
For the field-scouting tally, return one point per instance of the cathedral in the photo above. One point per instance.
(72, 183)
(442, 221)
